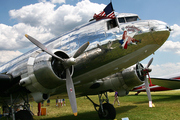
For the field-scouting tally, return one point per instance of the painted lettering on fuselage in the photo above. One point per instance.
(131, 29)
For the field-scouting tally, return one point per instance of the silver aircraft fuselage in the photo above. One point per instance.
(104, 55)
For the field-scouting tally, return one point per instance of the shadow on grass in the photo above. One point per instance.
(124, 109)
(160, 98)
(93, 115)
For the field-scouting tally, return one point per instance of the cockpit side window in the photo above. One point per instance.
(111, 24)
(133, 18)
(121, 20)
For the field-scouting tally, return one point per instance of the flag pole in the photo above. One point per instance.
(116, 17)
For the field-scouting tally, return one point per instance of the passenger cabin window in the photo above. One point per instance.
(128, 19)
(111, 24)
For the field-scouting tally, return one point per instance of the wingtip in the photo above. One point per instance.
(75, 114)
(26, 35)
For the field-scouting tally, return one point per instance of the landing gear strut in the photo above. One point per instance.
(24, 114)
(106, 110)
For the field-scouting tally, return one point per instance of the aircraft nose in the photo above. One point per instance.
(159, 30)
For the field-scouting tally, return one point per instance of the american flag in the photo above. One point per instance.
(108, 12)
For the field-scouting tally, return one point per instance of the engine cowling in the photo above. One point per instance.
(128, 79)
(42, 73)
(125, 80)
(49, 71)
(122, 82)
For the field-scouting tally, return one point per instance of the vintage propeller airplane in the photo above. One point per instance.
(163, 83)
(83, 60)
(153, 87)
(171, 82)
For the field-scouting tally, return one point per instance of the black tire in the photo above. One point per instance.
(109, 111)
(23, 115)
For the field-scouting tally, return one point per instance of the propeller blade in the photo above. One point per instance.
(148, 92)
(149, 63)
(40, 45)
(146, 72)
(66, 63)
(71, 92)
(81, 50)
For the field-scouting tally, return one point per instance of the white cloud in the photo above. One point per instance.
(164, 69)
(58, 1)
(34, 14)
(174, 44)
(176, 30)
(59, 20)
(170, 46)
(43, 21)
(8, 55)
(12, 37)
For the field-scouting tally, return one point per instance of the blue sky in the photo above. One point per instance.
(42, 20)
(164, 10)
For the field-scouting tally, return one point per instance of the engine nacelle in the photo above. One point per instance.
(127, 79)
(121, 82)
(124, 81)
(39, 97)
(48, 71)
(41, 72)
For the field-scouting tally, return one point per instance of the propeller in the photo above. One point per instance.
(40, 45)
(66, 63)
(147, 70)
(143, 72)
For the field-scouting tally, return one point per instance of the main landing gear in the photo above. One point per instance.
(18, 112)
(106, 110)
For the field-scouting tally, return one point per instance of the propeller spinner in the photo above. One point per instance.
(66, 63)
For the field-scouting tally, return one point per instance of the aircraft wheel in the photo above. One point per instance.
(23, 115)
(109, 111)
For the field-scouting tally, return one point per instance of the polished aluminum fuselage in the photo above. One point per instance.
(103, 57)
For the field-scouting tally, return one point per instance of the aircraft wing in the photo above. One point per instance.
(166, 82)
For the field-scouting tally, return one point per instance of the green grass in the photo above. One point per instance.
(134, 107)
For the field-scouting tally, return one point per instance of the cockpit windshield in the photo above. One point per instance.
(121, 18)
(128, 19)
